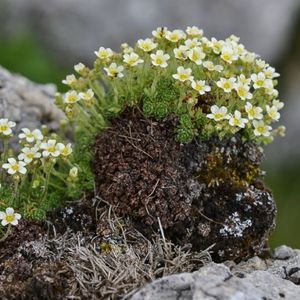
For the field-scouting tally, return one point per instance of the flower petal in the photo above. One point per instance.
(9, 211)
(4, 222)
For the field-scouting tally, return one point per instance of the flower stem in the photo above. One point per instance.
(4, 156)
(47, 180)
(7, 233)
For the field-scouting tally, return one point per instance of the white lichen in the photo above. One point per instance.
(234, 226)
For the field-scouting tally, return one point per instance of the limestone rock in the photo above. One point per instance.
(254, 279)
(26, 103)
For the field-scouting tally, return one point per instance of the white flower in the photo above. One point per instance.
(79, 67)
(65, 150)
(160, 32)
(218, 113)
(31, 136)
(237, 120)
(261, 129)
(278, 104)
(14, 167)
(228, 54)
(243, 91)
(240, 49)
(28, 154)
(201, 87)
(270, 90)
(114, 70)
(227, 85)
(196, 55)
(132, 59)
(183, 74)
(233, 38)
(70, 79)
(126, 48)
(261, 63)
(270, 73)
(175, 35)
(71, 97)
(159, 59)
(88, 95)
(5, 126)
(51, 148)
(209, 65)
(146, 45)
(248, 57)
(194, 31)
(273, 112)
(181, 52)
(73, 173)
(216, 45)
(104, 53)
(243, 80)
(260, 81)
(281, 131)
(253, 112)
(190, 44)
(9, 217)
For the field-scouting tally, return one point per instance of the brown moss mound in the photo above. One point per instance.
(203, 193)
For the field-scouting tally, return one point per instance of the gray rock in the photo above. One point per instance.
(72, 30)
(254, 279)
(284, 252)
(26, 103)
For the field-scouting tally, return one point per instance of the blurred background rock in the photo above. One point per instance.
(44, 39)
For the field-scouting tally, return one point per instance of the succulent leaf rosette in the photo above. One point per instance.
(214, 87)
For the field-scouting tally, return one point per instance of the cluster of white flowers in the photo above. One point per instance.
(222, 68)
(253, 115)
(35, 146)
(73, 97)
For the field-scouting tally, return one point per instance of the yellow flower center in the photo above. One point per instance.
(51, 149)
(158, 60)
(29, 135)
(226, 56)
(174, 37)
(242, 92)
(10, 218)
(227, 85)
(72, 98)
(261, 129)
(15, 167)
(199, 87)
(195, 56)
(30, 155)
(103, 54)
(4, 127)
(65, 152)
(251, 112)
(183, 76)
(260, 82)
(146, 47)
(236, 121)
(218, 116)
(132, 60)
